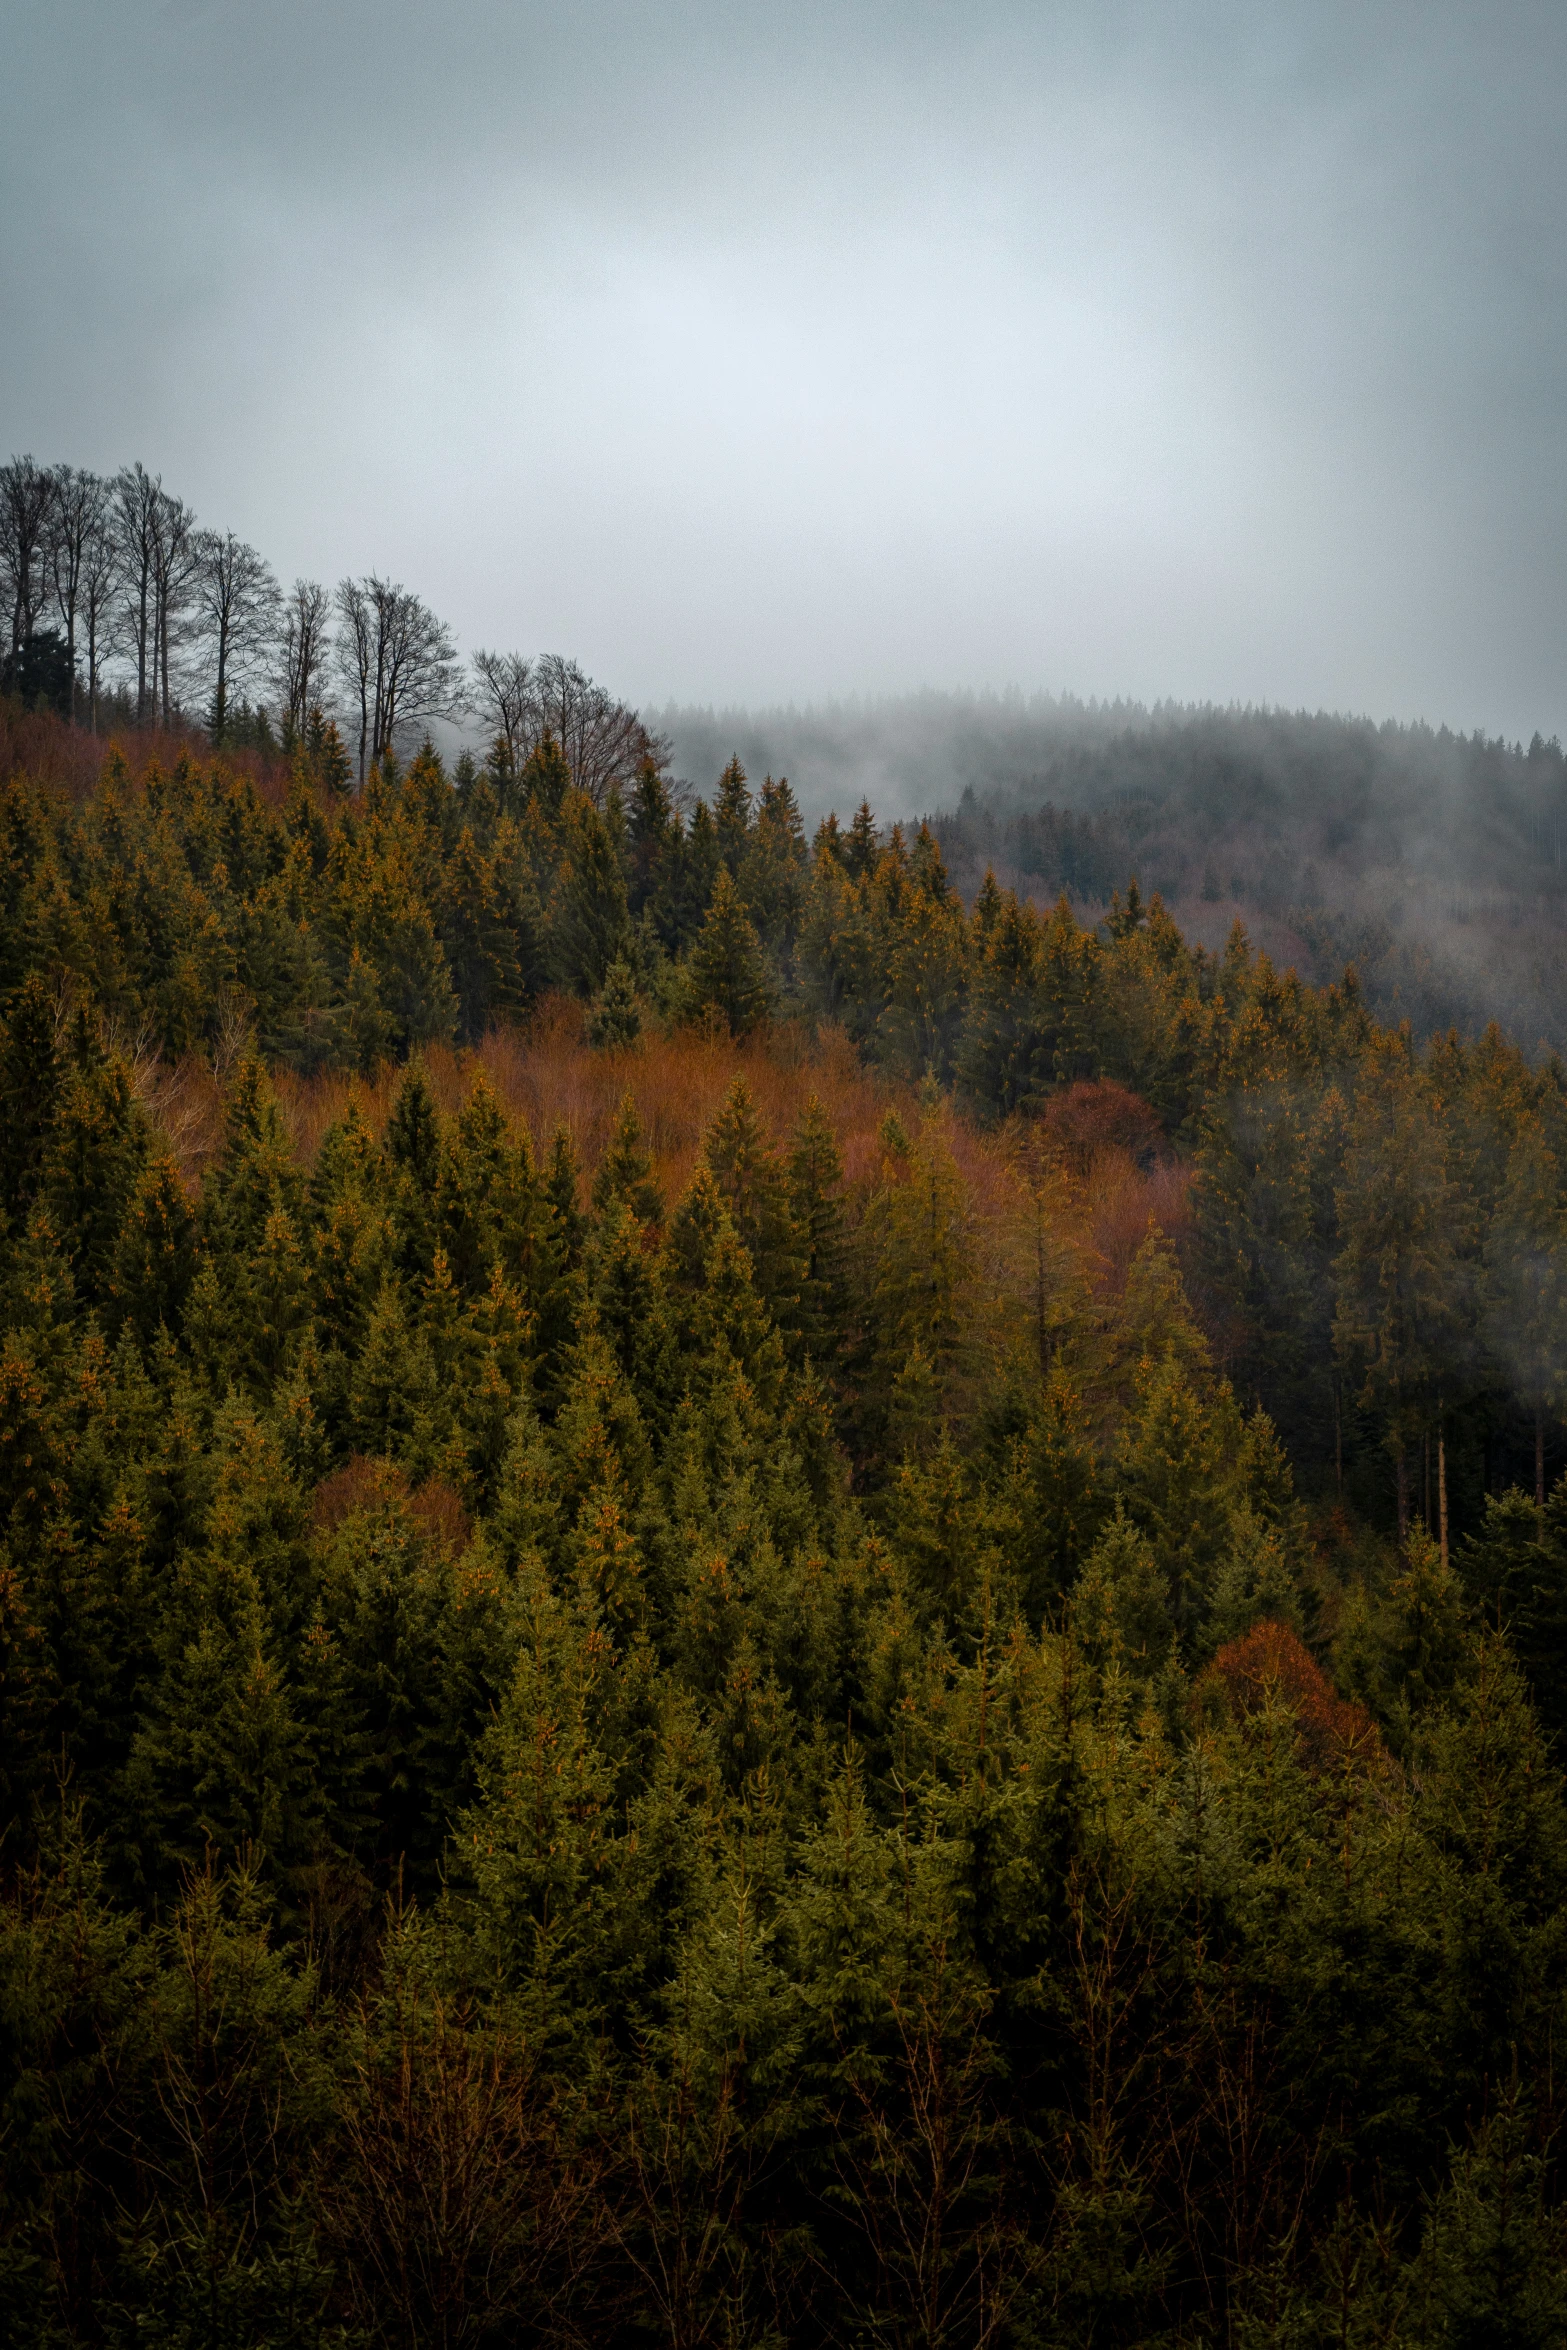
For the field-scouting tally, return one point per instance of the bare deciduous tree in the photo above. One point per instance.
(174, 570)
(397, 660)
(455, 2198)
(237, 604)
(503, 696)
(98, 588)
(604, 741)
(304, 649)
(136, 499)
(75, 528)
(26, 496)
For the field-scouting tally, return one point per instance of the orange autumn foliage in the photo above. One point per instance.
(1269, 1666)
(546, 1075)
(363, 1484)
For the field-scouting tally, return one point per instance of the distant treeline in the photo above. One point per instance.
(1271, 808)
(1436, 863)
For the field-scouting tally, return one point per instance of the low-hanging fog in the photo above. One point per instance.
(1435, 863)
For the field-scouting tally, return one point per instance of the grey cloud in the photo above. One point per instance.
(750, 352)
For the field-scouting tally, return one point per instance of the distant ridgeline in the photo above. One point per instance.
(1435, 863)
(740, 1607)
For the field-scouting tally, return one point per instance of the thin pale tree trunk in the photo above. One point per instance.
(1338, 1440)
(1402, 1466)
(1441, 1488)
(1539, 1456)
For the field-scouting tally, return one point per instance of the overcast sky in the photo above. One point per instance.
(771, 352)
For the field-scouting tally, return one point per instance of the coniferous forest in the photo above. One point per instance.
(741, 1605)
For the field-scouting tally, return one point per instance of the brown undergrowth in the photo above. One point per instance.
(1050, 1208)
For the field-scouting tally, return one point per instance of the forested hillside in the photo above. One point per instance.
(741, 1607)
(1435, 862)
(738, 1608)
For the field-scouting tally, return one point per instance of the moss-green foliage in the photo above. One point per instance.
(587, 1765)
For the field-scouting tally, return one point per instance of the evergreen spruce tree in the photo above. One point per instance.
(562, 1189)
(1120, 1614)
(625, 1172)
(258, 1173)
(726, 973)
(732, 816)
(615, 1015)
(1005, 1059)
(588, 916)
(155, 1259)
(1493, 2258)
(98, 1146)
(29, 1085)
(545, 778)
(861, 843)
(754, 1186)
(816, 1212)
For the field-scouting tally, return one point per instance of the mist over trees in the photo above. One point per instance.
(760, 1583)
(1435, 863)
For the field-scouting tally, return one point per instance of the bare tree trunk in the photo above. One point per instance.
(1402, 1467)
(1338, 1439)
(220, 704)
(1039, 1288)
(163, 651)
(1426, 1506)
(142, 632)
(1441, 1488)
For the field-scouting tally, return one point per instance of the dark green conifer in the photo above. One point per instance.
(732, 816)
(545, 778)
(625, 1172)
(588, 917)
(155, 1260)
(614, 1018)
(754, 1186)
(861, 843)
(726, 973)
(29, 1087)
(816, 1213)
(413, 1132)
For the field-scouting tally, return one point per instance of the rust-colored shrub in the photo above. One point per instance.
(48, 750)
(1095, 1116)
(437, 1510)
(1269, 1664)
(360, 1484)
(435, 1507)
